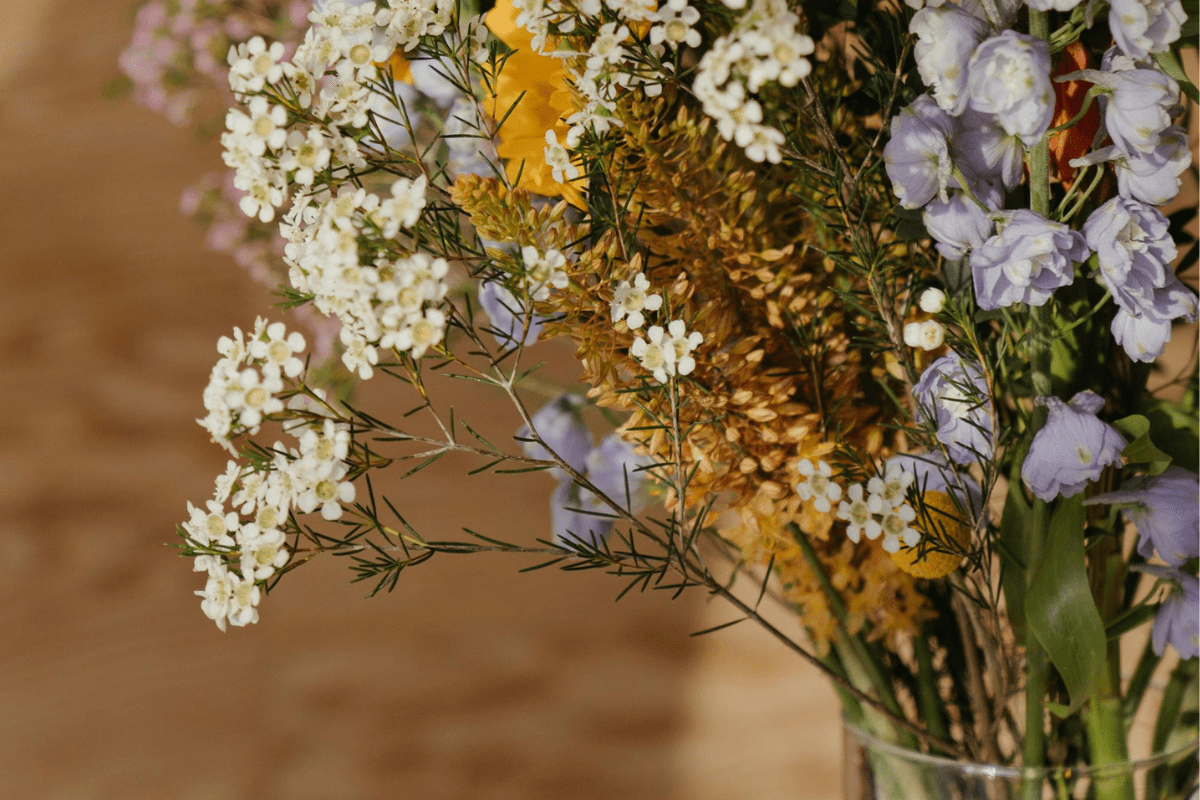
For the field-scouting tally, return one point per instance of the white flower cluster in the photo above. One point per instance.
(246, 381)
(245, 543)
(543, 272)
(328, 78)
(764, 46)
(631, 299)
(393, 303)
(881, 509)
(667, 353)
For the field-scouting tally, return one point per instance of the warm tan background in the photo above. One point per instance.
(469, 682)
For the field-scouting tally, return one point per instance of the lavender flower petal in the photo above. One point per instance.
(1026, 261)
(952, 396)
(1009, 76)
(1165, 510)
(917, 157)
(1178, 620)
(561, 427)
(1071, 449)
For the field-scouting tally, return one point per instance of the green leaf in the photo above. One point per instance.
(1059, 609)
(1014, 536)
(1058, 710)
(1168, 61)
(1178, 430)
(1141, 450)
(1133, 618)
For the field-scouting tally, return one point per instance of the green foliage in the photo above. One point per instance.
(1176, 431)
(1059, 606)
(1141, 449)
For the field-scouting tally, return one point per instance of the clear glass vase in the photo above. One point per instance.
(874, 769)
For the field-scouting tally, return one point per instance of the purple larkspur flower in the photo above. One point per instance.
(917, 156)
(612, 467)
(560, 426)
(960, 224)
(1165, 509)
(1178, 620)
(952, 397)
(1134, 249)
(1143, 337)
(946, 37)
(1052, 5)
(1142, 27)
(1138, 104)
(570, 519)
(985, 152)
(1071, 449)
(1009, 76)
(1154, 177)
(507, 315)
(1026, 261)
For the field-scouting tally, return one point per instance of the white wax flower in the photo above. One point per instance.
(932, 300)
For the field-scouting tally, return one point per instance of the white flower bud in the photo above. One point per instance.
(931, 335)
(932, 300)
(912, 334)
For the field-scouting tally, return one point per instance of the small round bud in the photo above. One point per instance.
(912, 334)
(931, 335)
(932, 300)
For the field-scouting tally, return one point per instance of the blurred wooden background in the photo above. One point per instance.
(470, 681)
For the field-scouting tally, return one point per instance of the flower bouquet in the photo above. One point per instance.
(868, 300)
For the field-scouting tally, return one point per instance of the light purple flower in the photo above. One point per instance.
(946, 37)
(569, 519)
(1026, 261)
(1142, 27)
(507, 315)
(1154, 177)
(960, 225)
(952, 396)
(917, 157)
(985, 152)
(1009, 76)
(1071, 449)
(560, 426)
(1166, 511)
(1052, 5)
(932, 473)
(612, 466)
(1134, 250)
(1138, 105)
(1143, 337)
(1178, 620)
(1133, 247)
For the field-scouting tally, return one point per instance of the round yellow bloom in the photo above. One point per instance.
(546, 101)
(952, 539)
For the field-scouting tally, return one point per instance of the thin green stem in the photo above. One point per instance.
(927, 695)
(1041, 323)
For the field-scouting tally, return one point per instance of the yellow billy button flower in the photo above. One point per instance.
(949, 537)
(537, 89)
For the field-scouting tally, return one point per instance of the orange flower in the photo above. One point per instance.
(538, 91)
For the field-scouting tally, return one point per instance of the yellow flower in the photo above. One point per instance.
(540, 89)
(952, 537)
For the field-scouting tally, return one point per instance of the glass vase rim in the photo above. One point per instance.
(994, 771)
